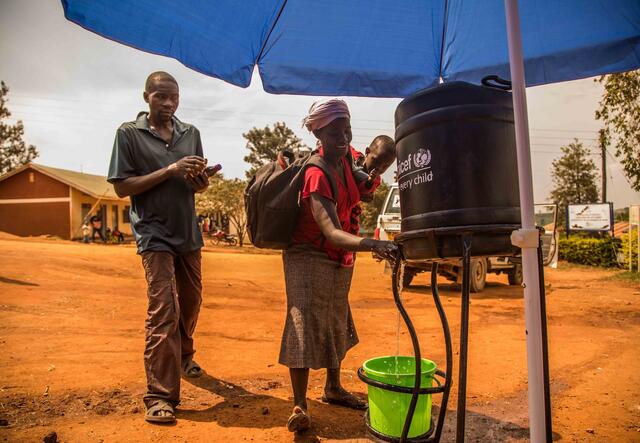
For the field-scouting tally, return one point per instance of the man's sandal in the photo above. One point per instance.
(159, 411)
(191, 369)
(299, 420)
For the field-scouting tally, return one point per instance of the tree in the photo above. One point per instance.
(13, 150)
(265, 143)
(371, 210)
(574, 177)
(227, 197)
(620, 113)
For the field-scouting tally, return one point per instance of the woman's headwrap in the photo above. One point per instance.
(323, 113)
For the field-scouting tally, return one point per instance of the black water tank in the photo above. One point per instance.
(457, 161)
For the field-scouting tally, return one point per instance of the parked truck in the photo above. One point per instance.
(388, 227)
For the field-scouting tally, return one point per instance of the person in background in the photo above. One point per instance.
(96, 226)
(157, 161)
(86, 230)
(117, 234)
(200, 222)
(318, 268)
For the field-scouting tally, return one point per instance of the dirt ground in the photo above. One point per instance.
(72, 336)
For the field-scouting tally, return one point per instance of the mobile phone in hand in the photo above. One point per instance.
(211, 170)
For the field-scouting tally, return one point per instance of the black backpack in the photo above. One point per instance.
(272, 199)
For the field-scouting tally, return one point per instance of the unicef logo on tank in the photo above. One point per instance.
(422, 158)
(415, 170)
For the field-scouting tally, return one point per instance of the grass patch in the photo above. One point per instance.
(564, 265)
(625, 276)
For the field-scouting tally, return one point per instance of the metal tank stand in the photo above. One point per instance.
(443, 239)
(434, 434)
(464, 337)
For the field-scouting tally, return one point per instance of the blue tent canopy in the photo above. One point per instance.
(382, 48)
(373, 48)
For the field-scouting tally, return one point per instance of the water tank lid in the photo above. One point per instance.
(450, 94)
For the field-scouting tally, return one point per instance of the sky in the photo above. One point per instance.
(72, 89)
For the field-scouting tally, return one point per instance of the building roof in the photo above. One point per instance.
(621, 227)
(96, 186)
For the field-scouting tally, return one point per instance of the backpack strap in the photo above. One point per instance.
(319, 162)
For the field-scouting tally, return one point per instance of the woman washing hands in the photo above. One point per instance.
(318, 268)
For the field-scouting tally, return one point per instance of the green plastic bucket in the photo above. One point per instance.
(387, 409)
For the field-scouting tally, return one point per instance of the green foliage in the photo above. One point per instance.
(620, 113)
(621, 214)
(590, 251)
(265, 143)
(13, 150)
(574, 178)
(634, 249)
(227, 197)
(371, 210)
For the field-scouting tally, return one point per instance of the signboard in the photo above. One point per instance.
(634, 215)
(594, 217)
(395, 203)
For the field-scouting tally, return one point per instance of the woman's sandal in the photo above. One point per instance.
(191, 369)
(299, 420)
(157, 407)
(348, 401)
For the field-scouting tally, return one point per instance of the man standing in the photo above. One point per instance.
(157, 160)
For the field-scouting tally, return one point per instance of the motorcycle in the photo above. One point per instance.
(219, 236)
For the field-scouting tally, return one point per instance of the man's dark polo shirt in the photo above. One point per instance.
(162, 218)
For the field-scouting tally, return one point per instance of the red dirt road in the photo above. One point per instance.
(72, 336)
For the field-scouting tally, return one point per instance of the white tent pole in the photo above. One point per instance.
(527, 237)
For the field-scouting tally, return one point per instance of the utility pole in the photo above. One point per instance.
(602, 141)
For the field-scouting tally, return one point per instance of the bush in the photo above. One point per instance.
(634, 249)
(590, 251)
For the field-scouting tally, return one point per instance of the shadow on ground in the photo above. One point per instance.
(11, 281)
(242, 408)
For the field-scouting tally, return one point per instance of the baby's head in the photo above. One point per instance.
(380, 154)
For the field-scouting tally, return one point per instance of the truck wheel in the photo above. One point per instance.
(407, 278)
(478, 277)
(515, 275)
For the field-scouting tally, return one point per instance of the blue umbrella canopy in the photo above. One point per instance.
(379, 48)
(373, 48)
